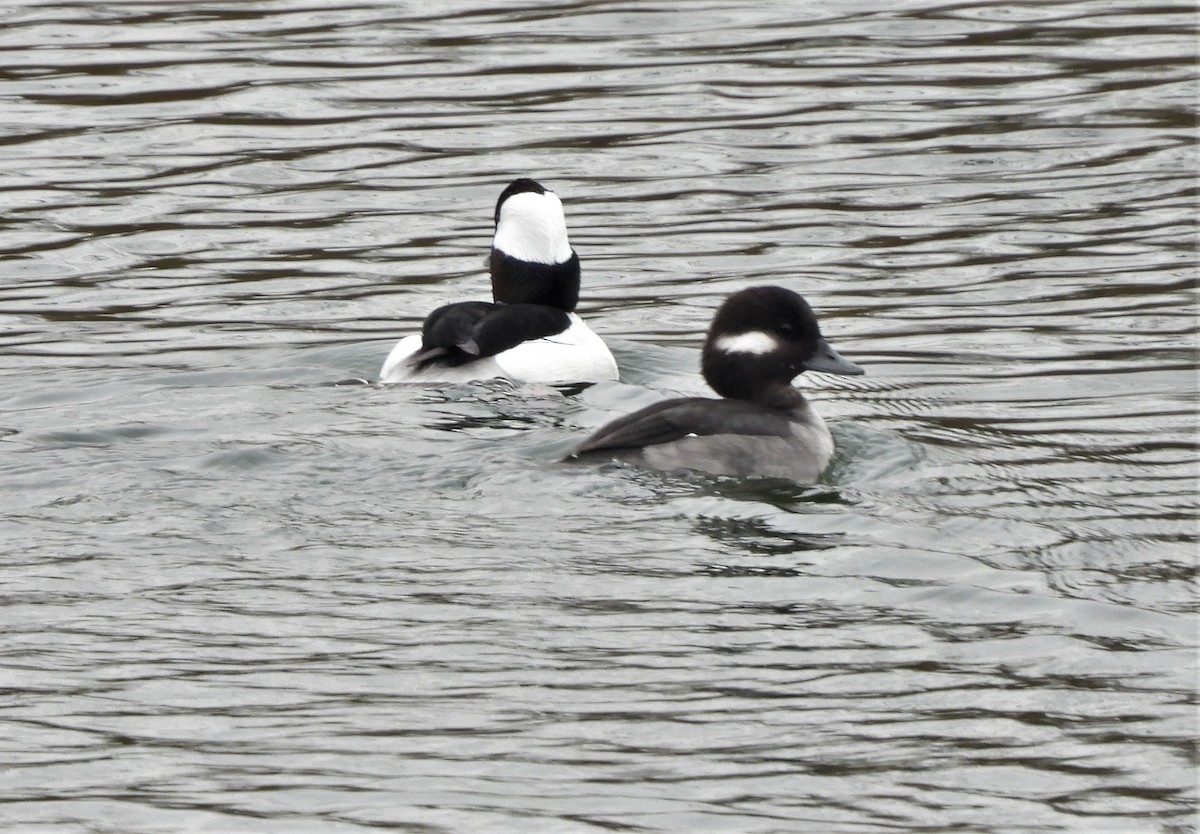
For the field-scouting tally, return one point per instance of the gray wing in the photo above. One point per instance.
(675, 419)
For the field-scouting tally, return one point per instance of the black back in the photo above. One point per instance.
(460, 333)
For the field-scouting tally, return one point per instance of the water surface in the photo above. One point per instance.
(240, 596)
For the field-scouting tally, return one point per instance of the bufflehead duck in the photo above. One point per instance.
(529, 331)
(761, 338)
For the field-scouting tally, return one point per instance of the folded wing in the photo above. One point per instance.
(689, 416)
(460, 333)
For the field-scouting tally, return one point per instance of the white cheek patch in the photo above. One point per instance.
(532, 228)
(754, 341)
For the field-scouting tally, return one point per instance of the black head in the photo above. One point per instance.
(763, 337)
(532, 261)
(517, 186)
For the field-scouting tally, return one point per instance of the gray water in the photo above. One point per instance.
(242, 592)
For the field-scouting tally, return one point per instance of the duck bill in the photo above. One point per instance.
(828, 360)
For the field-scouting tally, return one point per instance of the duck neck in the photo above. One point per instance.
(776, 394)
(754, 379)
(781, 396)
(515, 281)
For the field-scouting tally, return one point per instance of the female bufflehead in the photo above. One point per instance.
(759, 341)
(529, 332)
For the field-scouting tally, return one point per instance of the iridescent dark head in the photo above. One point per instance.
(765, 336)
(532, 261)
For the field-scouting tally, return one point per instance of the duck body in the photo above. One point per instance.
(529, 331)
(573, 354)
(720, 437)
(760, 339)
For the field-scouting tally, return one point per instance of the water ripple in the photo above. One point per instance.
(244, 597)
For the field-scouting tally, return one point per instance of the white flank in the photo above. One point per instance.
(575, 355)
(754, 341)
(394, 368)
(533, 228)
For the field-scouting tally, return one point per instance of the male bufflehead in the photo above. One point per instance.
(761, 338)
(529, 331)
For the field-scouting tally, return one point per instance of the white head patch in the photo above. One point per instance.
(753, 341)
(532, 228)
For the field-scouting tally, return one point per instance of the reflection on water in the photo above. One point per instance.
(240, 596)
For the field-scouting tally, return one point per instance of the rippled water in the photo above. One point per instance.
(240, 596)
